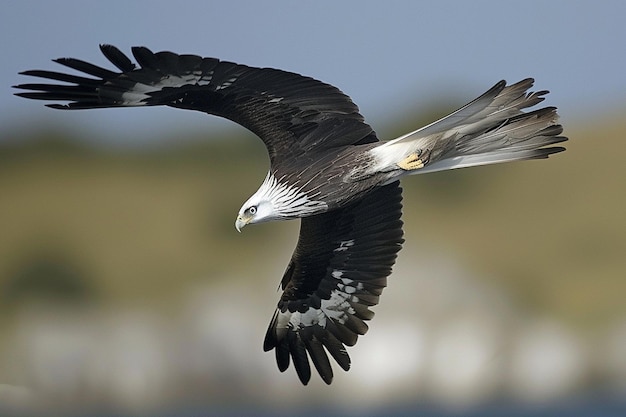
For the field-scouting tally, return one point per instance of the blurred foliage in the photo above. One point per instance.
(129, 225)
(46, 277)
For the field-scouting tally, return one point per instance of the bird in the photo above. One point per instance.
(327, 168)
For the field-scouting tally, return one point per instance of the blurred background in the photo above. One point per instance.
(125, 289)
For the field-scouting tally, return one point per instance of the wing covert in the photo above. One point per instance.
(338, 270)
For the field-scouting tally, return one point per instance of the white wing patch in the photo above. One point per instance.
(336, 308)
(344, 245)
(141, 92)
(226, 84)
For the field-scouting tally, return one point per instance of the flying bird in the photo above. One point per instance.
(327, 168)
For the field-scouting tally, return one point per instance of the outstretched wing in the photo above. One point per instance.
(289, 112)
(338, 270)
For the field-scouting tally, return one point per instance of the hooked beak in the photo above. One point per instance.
(240, 223)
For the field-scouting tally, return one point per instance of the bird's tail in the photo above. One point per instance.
(491, 129)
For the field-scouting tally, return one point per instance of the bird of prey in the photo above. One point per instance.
(327, 168)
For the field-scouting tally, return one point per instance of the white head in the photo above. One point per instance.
(276, 201)
(257, 209)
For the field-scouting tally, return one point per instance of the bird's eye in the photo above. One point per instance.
(252, 210)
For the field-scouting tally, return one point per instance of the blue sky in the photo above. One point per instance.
(390, 57)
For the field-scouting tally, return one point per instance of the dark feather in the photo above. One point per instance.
(86, 67)
(117, 58)
(299, 357)
(336, 349)
(59, 76)
(318, 355)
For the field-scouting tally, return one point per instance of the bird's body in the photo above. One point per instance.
(327, 167)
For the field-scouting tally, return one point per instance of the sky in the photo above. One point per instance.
(390, 57)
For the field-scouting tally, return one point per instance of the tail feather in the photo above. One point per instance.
(489, 158)
(491, 129)
(524, 130)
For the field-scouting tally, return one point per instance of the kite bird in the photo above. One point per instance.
(327, 167)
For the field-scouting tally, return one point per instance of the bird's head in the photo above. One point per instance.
(276, 201)
(261, 207)
(256, 210)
